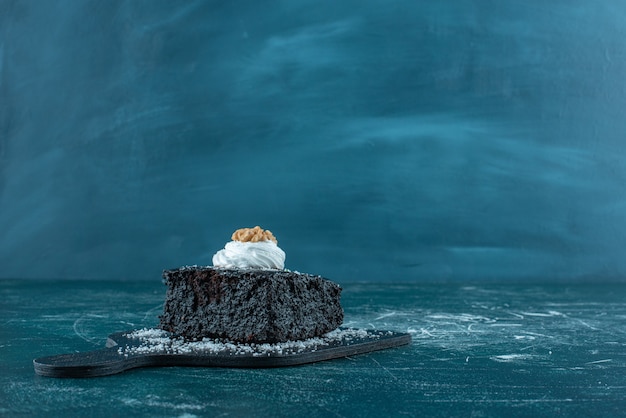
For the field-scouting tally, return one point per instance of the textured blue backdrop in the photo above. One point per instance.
(396, 140)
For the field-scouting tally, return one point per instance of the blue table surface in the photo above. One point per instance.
(477, 350)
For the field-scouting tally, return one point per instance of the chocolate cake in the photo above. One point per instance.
(248, 296)
(249, 305)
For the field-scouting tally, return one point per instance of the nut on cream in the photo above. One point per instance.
(251, 248)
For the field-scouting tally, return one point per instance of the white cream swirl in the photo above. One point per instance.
(263, 254)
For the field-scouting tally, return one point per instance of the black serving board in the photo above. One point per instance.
(128, 350)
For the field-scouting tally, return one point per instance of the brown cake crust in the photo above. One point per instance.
(249, 305)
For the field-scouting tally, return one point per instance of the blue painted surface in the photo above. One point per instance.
(478, 350)
(400, 141)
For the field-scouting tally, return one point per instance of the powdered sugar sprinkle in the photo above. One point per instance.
(157, 341)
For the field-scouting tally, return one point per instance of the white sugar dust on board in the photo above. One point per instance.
(156, 341)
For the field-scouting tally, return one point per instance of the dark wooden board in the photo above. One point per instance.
(157, 348)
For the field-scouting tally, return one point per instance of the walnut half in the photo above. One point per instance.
(255, 234)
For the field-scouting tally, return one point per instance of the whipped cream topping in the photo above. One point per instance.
(261, 254)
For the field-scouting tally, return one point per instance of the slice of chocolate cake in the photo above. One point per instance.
(249, 297)
(249, 305)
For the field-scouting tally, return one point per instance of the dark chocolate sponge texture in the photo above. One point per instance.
(249, 305)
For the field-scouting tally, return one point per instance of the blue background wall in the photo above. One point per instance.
(395, 140)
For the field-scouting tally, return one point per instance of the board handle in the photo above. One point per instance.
(88, 364)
